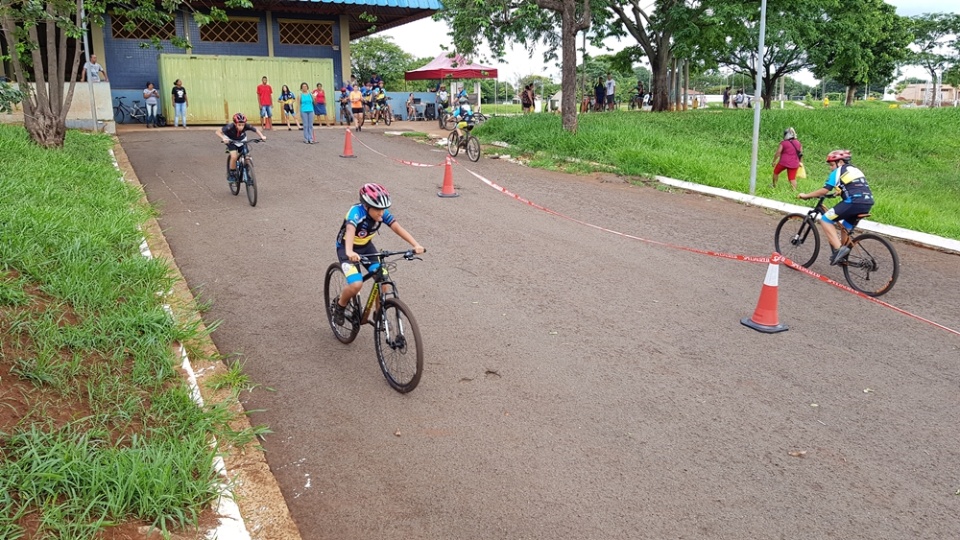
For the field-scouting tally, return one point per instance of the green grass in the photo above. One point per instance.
(98, 424)
(911, 156)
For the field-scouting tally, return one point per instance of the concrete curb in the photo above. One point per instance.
(923, 239)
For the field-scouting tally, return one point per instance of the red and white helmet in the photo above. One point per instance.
(239, 118)
(838, 155)
(375, 195)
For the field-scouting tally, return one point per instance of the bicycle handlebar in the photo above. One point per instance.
(383, 255)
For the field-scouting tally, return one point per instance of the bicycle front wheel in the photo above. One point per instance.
(797, 239)
(234, 186)
(872, 267)
(333, 285)
(449, 122)
(473, 148)
(251, 181)
(388, 117)
(442, 119)
(453, 144)
(399, 346)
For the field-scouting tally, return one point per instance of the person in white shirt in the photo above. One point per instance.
(92, 70)
(611, 91)
(152, 97)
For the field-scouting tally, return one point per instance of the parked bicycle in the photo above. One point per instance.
(396, 336)
(245, 174)
(872, 267)
(136, 111)
(469, 141)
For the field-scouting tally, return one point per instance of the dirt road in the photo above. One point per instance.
(578, 385)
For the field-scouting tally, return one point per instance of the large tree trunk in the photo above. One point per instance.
(660, 100)
(569, 28)
(768, 91)
(851, 95)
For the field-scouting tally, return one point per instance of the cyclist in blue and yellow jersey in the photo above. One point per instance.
(382, 98)
(378, 101)
(463, 115)
(857, 199)
(355, 238)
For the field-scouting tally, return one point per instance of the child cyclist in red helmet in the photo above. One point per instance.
(355, 239)
(235, 132)
(857, 199)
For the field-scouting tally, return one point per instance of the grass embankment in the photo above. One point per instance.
(911, 156)
(97, 427)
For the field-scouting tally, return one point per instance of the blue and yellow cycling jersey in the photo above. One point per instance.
(852, 183)
(366, 226)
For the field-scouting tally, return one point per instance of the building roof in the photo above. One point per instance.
(379, 15)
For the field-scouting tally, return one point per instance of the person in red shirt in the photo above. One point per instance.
(265, 98)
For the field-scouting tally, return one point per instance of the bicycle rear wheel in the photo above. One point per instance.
(473, 148)
(872, 267)
(251, 181)
(797, 239)
(399, 346)
(333, 284)
(118, 114)
(453, 144)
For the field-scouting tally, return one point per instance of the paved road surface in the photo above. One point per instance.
(579, 385)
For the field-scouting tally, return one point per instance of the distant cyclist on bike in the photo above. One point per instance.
(857, 199)
(355, 239)
(463, 115)
(231, 135)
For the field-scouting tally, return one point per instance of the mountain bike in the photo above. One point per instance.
(396, 336)
(381, 111)
(469, 141)
(245, 174)
(872, 267)
(136, 111)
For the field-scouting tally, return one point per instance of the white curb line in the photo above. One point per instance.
(921, 238)
(232, 526)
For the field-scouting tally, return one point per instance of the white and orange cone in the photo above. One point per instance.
(765, 316)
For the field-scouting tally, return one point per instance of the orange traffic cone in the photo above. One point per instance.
(448, 182)
(348, 145)
(765, 317)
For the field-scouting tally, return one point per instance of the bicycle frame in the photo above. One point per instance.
(377, 293)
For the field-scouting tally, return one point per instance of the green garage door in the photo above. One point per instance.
(219, 86)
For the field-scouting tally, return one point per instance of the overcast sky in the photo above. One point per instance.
(422, 39)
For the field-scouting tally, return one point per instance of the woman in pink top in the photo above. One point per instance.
(788, 157)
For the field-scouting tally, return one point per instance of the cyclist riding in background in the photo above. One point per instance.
(356, 238)
(463, 115)
(443, 99)
(857, 199)
(367, 91)
(379, 100)
(232, 134)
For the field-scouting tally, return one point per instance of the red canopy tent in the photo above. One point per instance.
(446, 67)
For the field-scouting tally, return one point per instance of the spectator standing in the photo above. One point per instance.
(375, 80)
(92, 70)
(180, 103)
(726, 98)
(611, 91)
(265, 95)
(287, 111)
(599, 94)
(738, 100)
(151, 99)
(306, 112)
(356, 107)
(443, 99)
(320, 104)
(526, 99)
(787, 157)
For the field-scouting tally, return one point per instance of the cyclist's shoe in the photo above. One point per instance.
(232, 177)
(338, 316)
(839, 255)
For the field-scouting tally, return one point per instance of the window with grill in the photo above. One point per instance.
(306, 32)
(236, 30)
(122, 27)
